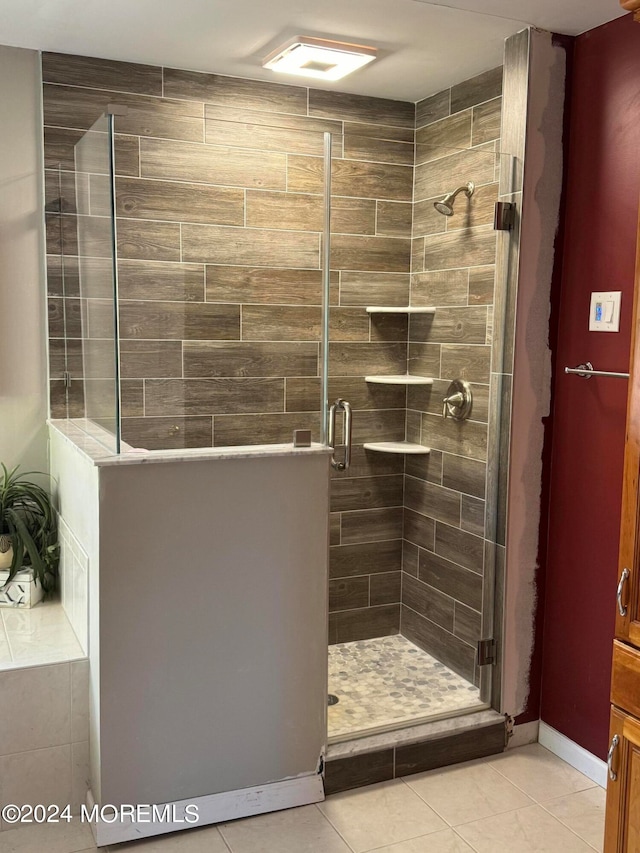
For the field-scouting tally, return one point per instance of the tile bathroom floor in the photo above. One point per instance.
(388, 681)
(523, 801)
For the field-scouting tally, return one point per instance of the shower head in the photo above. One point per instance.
(445, 207)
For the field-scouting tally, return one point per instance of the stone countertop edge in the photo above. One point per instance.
(101, 457)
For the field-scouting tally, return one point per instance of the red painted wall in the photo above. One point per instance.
(603, 188)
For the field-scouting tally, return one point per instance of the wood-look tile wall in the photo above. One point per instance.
(219, 219)
(453, 268)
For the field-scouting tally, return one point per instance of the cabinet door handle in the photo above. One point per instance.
(622, 608)
(612, 750)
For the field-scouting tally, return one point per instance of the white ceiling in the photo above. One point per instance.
(423, 47)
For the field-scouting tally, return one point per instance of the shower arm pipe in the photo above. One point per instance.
(326, 286)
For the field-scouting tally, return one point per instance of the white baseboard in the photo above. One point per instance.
(524, 734)
(214, 808)
(573, 754)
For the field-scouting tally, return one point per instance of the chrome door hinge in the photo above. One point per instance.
(66, 377)
(486, 652)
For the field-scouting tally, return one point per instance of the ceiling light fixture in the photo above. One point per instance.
(325, 60)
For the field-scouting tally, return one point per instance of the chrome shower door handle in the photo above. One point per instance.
(613, 775)
(340, 405)
(624, 577)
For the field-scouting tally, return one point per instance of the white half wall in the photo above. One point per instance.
(23, 364)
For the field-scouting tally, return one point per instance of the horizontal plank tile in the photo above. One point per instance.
(169, 320)
(410, 554)
(355, 359)
(385, 588)
(379, 425)
(464, 475)
(389, 327)
(431, 500)
(361, 108)
(442, 644)
(348, 593)
(366, 463)
(146, 116)
(443, 137)
(472, 363)
(424, 360)
(460, 547)
(373, 288)
(139, 238)
(383, 254)
(343, 774)
(221, 131)
(467, 623)
(427, 467)
(178, 202)
(213, 244)
(378, 144)
(303, 393)
(354, 178)
(305, 212)
(334, 528)
(426, 219)
(464, 438)
(472, 515)
(240, 430)
(367, 623)
(170, 433)
(235, 92)
(481, 285)
(213, 396)
(212, 164)
(437, 177)
(451, 579)
(419, 529)
(267, 286)
(476, 90)
(451, 749)
(432, 108)
(486, 121)
(394, 219)
(451, 325)
(371, 525)
(209, 359)
(349, 493)
(158, 359)
(440, 288)
(159, 281)
(95, 73)
(428, 602)
(368, 558)
(281, 323)
(251, 119)
(59, 146)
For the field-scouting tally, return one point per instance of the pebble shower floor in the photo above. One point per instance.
(388, 681)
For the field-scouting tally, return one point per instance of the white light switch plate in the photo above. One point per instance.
(604, 313)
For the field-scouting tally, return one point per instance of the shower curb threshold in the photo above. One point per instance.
(413, 734)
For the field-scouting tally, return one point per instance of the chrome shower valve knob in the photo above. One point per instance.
(458, 400)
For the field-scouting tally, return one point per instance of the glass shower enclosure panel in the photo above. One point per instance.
(222, 276)
(97, 272)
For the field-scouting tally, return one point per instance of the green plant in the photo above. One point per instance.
(28, 517)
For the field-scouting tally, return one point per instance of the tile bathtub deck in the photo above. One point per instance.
(388, 681)
(36, 636)
(524, 801)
